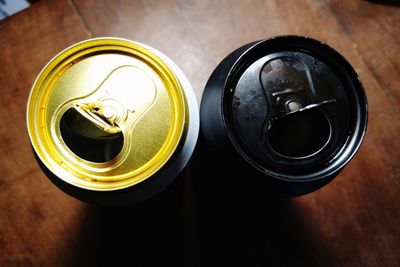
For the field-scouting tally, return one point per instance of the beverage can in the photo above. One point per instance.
(112, 121)
(289, 110)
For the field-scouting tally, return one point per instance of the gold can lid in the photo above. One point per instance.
(106, 114)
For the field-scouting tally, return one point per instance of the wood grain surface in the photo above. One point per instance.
(353, 221)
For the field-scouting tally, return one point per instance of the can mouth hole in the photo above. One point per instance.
(86, 140)
(300, 135)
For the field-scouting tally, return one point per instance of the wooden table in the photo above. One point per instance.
(354, 221)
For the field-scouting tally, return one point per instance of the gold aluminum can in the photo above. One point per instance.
(107, 114)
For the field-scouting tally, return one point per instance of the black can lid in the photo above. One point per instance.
(294, 108)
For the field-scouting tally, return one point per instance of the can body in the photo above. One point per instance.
(112, 121)
(287, 113)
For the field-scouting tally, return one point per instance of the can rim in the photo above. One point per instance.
(154, 164)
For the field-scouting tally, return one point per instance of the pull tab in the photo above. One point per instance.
(102, 116)
(97, 126)
(293, 107)
(295, 127)
(289, 88)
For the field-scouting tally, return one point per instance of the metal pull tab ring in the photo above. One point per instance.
(103, 117)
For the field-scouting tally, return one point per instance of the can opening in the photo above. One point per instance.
(300, 134)
(88, 141)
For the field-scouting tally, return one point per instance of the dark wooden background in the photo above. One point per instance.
(354, 221)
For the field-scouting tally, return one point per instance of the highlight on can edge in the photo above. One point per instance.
(112, 121)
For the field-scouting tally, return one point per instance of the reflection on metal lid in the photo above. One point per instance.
(293, 105)
(106, 114)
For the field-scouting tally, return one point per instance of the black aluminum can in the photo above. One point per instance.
(286, 114)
